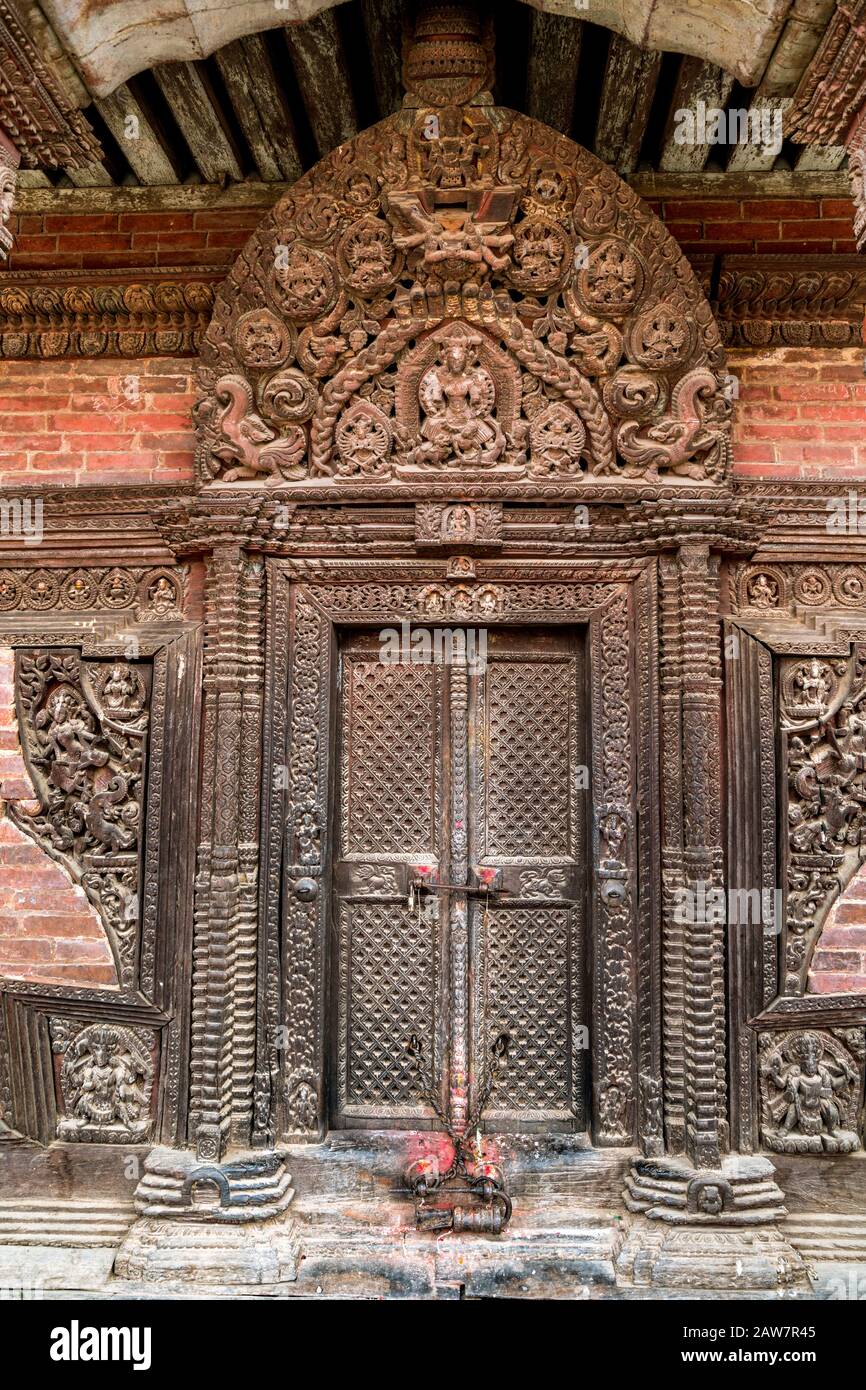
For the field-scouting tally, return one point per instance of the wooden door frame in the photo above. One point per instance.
(616, 601)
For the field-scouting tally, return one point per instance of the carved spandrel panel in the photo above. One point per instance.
(83, 727)
(823, 716)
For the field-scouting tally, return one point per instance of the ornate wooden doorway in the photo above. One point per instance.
(458, 881)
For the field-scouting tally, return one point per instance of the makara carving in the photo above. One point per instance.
(83, 727)
(462, 294)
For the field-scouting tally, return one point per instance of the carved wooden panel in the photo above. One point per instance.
(462, 294)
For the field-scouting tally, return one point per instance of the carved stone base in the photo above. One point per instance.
(203, 1252)
(743, 1192)
(247, 1187)
(734, 1259)
(212, 1223)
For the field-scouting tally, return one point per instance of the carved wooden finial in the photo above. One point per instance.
(449, 59)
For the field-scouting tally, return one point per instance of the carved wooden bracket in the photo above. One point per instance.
(34, 112)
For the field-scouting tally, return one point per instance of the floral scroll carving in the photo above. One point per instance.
(461, 292)
(83, 728)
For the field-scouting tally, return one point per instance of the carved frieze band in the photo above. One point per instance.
(108, 313)
(791, 301)
(149, 595)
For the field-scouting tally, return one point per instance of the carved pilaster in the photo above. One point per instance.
(224, 970)
(9, 160)
(703, 957)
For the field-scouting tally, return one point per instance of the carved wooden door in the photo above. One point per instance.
(458, 883)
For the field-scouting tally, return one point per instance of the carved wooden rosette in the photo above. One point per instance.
(460, 294)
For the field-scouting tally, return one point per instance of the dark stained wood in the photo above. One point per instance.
(551, 79)
(629, 87)
(320, 65)
(383, 24)
(187, 91)
(261, 107)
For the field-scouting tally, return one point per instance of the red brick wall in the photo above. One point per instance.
(105, 420)
(769, 225)
(89, 241)
(801, 413)
(839, 963)
(48, 930)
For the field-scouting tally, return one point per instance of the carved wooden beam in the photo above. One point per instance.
(791, 301)
(35, 113)
(107, 313)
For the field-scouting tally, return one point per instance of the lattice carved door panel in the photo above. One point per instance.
(446, 775)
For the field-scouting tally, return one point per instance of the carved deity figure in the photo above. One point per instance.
(105, 1078)
(457, 396)
(807, 1091)
(68, 740)
(812, 686)
(763, 592)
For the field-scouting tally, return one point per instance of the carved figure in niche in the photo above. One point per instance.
(762, 591)
(557, 437)
(811, 686)
(612, 279)
(106, 1080)
(810, 1087)
(457, 397)
(162, 597)
(122, 691)
(363, 440)
(458, 524)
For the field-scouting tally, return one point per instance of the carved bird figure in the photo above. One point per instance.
(246, 443)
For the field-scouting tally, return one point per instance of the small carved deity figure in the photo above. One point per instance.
(161, 595)
(457, 524)
(68, 740)
(762, 591)
(105, 1079)
(120, 690)
(812, 686)
(807, 1090)
(457, 396)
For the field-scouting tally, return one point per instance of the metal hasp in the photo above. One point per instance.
(469, 1174)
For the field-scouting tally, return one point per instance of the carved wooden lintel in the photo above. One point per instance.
(791, 301)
